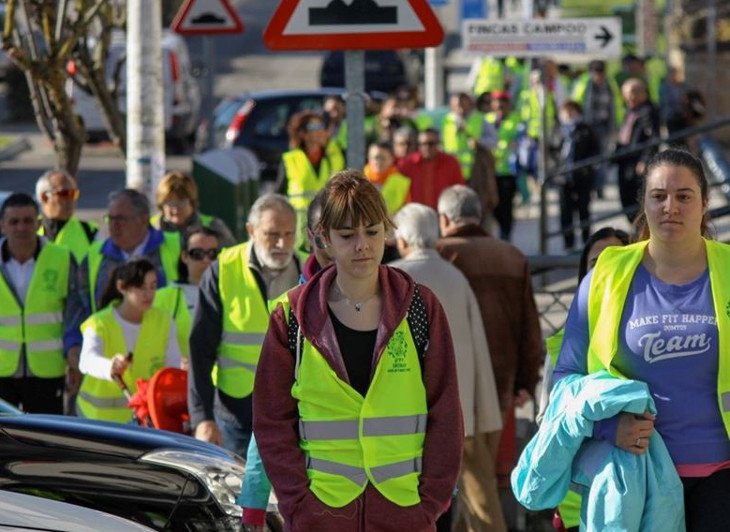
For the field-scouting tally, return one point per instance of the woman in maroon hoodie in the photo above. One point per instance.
(356, 405)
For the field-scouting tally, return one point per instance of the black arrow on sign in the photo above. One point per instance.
(605, 36)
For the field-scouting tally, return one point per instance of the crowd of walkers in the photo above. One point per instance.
(365, 348)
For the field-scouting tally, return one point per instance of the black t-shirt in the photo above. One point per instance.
(357, 351)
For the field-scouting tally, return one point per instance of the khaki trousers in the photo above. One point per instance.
(478, 507)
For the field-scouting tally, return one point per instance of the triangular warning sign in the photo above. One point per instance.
(352, 25)
(207, 17)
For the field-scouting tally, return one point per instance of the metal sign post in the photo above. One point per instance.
(355, 101)
(210, 68)
(542, 163)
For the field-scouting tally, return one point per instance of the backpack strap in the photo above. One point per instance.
(417, 319)
(296, 341)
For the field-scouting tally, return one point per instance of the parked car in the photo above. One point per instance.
(23, 513)
(181, 92)
(258, 121)
(159, 479)
(384, 70)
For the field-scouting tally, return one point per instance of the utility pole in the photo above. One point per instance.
(145, 106)
(355, 107)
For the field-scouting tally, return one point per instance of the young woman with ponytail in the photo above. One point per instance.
(126, 340)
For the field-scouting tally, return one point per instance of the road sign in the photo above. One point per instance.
(598, 37)
(352, 25)
(207, 17)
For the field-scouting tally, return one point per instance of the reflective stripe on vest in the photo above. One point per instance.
(350, 440)
(73, 237)
(106, 402)
(610, 283)
(102, 398)
(456, 142)
(350, 429)
(39, 325)
(359, 476)
(245, 320)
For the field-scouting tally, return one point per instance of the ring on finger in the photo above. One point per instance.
(638, 442)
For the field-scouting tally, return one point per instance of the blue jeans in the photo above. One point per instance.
(235, 437)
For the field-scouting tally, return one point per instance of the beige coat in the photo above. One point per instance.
(477, 389)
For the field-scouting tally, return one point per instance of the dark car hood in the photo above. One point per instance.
(99, 436)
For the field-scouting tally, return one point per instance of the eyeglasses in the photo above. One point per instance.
(200, 253)
(64, 193)
(315, 126)
(119, 218)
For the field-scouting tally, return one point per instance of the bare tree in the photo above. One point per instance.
(42, 37)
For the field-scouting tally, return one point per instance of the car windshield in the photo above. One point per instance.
(6, 409)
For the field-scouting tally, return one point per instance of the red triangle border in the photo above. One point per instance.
(181, 15)
(274, 38)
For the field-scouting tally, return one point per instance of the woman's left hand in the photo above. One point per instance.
(634, 431)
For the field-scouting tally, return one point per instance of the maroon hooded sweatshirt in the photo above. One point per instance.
(276, 416)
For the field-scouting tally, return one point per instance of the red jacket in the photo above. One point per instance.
(276, 417)
(430, 178)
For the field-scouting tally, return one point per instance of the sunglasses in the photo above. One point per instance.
(315, 126)
(428, 143)
(200, 253)
(64, 193)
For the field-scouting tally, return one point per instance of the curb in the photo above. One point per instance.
(15, 148)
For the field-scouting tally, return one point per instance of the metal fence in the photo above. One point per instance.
(553, 304)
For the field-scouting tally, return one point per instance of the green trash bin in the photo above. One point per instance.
(228, 182)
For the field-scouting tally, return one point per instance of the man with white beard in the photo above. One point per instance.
(231, 320)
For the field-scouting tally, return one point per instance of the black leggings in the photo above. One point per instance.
(706, 505)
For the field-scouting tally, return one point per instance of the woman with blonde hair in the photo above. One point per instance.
(356, 403)
(177, 200)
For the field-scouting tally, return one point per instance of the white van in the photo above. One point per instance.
(181, 95)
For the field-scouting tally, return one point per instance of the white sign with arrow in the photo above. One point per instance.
(598, 37)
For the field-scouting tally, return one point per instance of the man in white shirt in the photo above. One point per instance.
(41, 309)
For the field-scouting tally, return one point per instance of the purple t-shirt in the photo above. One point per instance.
(668, 339)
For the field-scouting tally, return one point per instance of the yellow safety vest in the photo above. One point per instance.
(350, 440)
(303, 182)
(245, 320)
(531, 113)
(395, 191)
(39, 324)
(73, 237)
(172, 299)
(507, 133)
(169, 256)
(490, 77)
(610, 283)
(457, 142)
(581, 87)
(101, 398)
